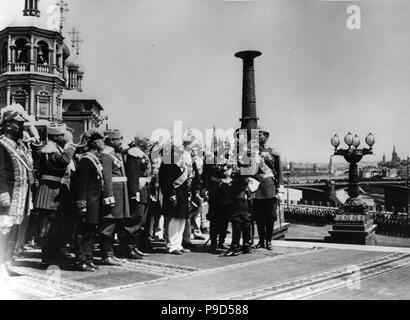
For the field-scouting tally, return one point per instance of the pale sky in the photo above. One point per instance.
(150, 62)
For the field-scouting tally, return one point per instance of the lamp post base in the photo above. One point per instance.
(351, 228)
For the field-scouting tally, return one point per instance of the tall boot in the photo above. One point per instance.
(133, 252)
(107, 252)
(246, 236)
(261, 233)
(106, 246)
(138, 244)
(223, 228)
(236, 238)
(269, 230)
(213, 233)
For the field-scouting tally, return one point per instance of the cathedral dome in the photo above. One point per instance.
(29, 21)
(66, 51)
(71, 64)
(81, 68)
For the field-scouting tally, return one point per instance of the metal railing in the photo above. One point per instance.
(19, 67)
(43, 68)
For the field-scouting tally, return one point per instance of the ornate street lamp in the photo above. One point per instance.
(353, 155)
(351, 224)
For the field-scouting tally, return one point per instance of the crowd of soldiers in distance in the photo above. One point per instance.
(314, 216)
(392, 224)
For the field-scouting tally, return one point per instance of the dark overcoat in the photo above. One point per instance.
(269, 185)
(115, 189)
(54, 162)
(88, 187)
(15, 183)
(138, 171)
(168, 173)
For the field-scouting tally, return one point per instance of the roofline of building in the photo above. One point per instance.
(89, 100)
(23, 29)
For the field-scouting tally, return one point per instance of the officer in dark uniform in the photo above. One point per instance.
(173, 180)
(138, 171)
(241, 218)
(265, 199)
(218, 181)
(87, 193)
(55, 158)
(67, 219)
(115, 195)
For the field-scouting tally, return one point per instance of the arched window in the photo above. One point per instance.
(22, 51)
(21, 96)
(42, 53)
(43, 104)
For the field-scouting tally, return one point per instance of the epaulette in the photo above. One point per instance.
(50, 147)
(136, 152)
(107, 150)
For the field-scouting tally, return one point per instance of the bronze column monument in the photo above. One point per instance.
(249, 119)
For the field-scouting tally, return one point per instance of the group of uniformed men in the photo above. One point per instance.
(390, 224)
(90, 192)
(314, 216)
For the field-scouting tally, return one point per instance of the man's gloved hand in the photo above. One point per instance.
(281, 189)
(109, 202)
(173, 201)
(5, 200)
(280, 196)
(33, 132)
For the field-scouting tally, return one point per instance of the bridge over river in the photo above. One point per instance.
(391, 193)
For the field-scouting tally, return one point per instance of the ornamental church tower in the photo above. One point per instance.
(32, 63)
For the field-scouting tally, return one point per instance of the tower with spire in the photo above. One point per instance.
(80, 110)
(31, 8)
(32, 62)
(37, 72)
(395, 157)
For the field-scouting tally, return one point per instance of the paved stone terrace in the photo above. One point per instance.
(292, 270)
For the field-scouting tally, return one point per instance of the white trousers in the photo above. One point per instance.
(175, 232)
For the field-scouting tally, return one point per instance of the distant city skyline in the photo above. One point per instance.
(150, 63)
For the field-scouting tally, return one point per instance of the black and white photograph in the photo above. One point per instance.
(218, 151)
